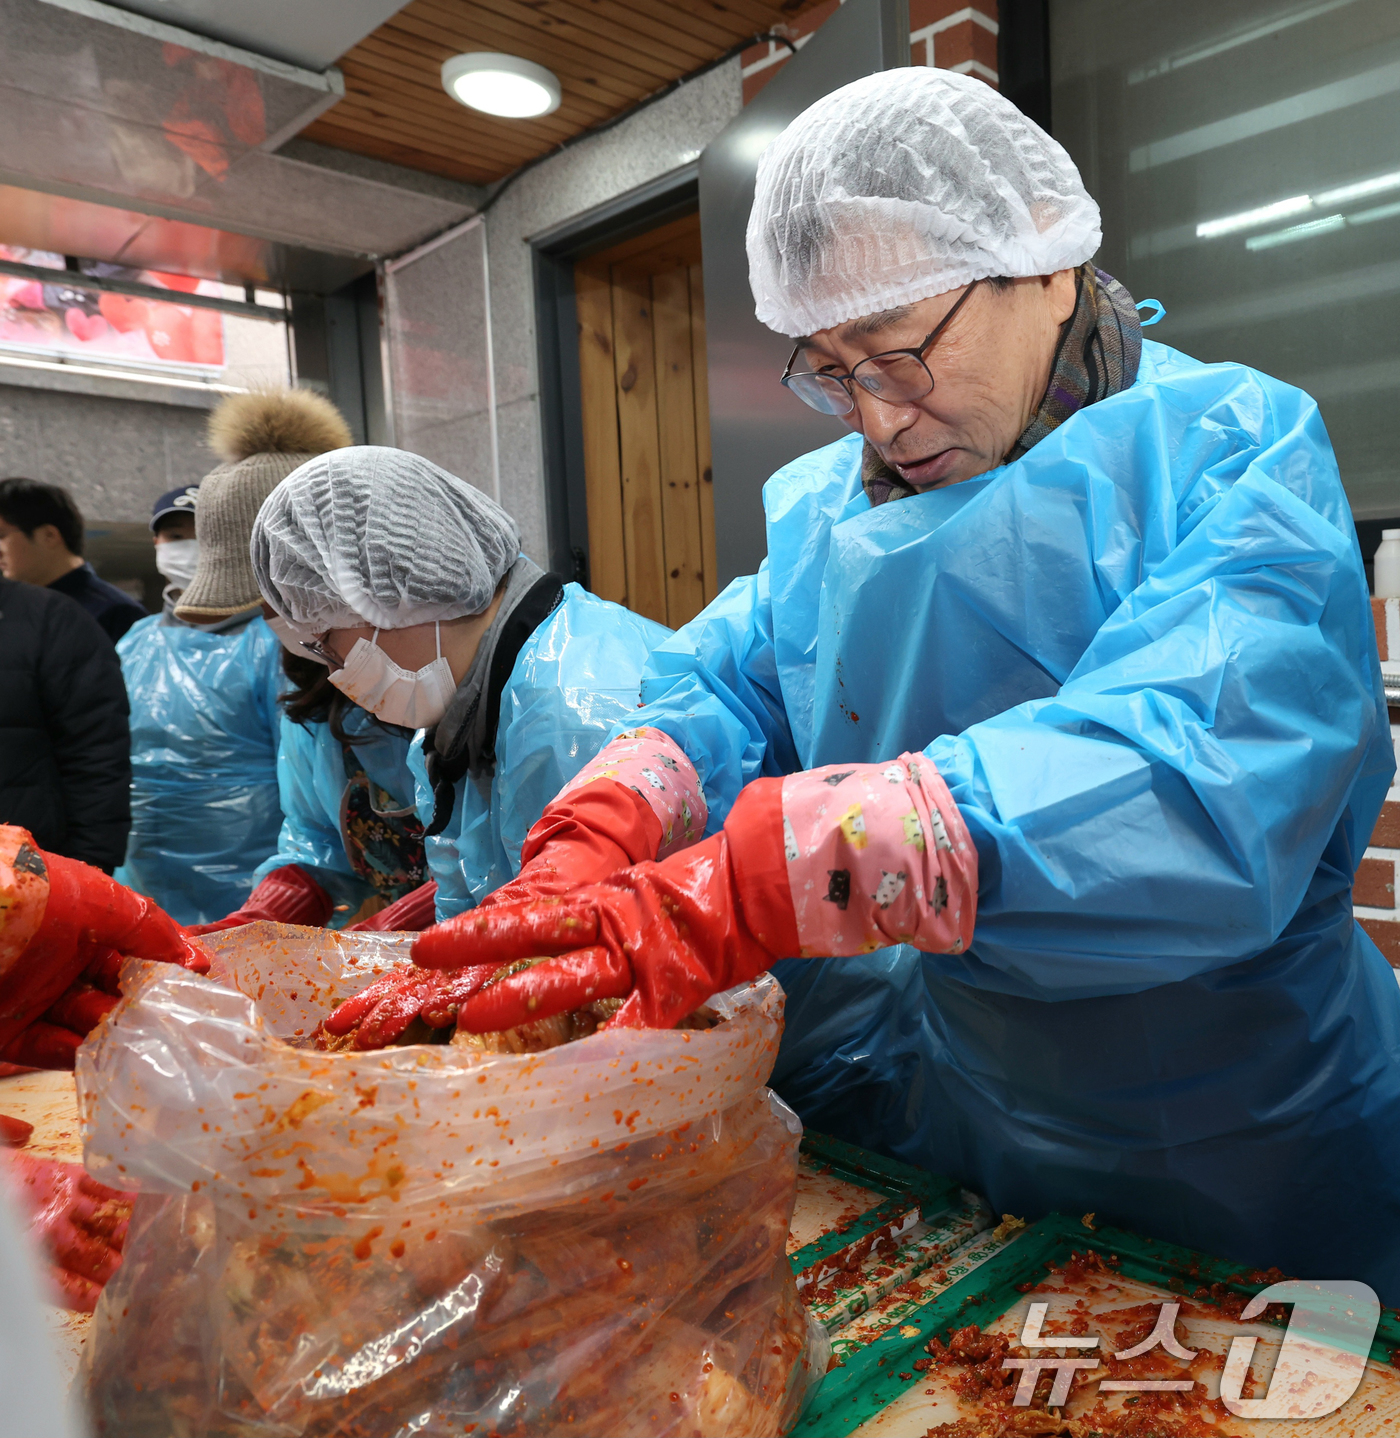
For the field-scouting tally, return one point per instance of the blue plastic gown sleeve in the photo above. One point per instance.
(311, 781)
(1144, 824)
(713, 687)
(465, 859)
(574, 684)
(310, 834)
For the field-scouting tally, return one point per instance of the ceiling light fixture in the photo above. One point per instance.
(503, 85)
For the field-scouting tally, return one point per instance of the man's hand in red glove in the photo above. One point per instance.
(379, 1014)
(584, 835)
(58, 919)
(288, 895)
(80, 1224)
(664, 936)
(835, 861)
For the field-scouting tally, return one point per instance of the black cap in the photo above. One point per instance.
(175, 501)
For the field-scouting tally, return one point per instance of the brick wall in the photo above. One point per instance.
(1374, 897)
(945, 33)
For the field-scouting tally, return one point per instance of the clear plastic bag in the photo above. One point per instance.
(435, 1240)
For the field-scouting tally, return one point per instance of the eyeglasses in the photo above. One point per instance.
(319, 649)
(896, 376)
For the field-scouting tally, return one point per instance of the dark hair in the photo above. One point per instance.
(999, 284)
(28, 503)
(313, 698)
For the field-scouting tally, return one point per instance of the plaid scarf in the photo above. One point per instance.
(1097, 355)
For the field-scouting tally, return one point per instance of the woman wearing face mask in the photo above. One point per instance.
(203, 676)
(351, 843)
(407, 584)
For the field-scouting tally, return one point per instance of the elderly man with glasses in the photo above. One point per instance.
(1043, 746)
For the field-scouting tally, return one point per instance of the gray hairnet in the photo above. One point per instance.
(902, 186)
(379, 536)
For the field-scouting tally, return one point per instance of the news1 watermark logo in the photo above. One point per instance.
(1320, 1361)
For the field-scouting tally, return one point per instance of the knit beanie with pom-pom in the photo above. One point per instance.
(262, 437)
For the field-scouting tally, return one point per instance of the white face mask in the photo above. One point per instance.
(176, 559)
(292, 634)
(416, 699)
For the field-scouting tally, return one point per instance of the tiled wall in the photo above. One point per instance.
(1374, 897)
(945, 33)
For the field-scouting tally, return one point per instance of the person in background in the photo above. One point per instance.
(1047, 739)
(351, 853)
(65, 756)
(204, 676)
(172, 533)
(408, 586)
(41, 543)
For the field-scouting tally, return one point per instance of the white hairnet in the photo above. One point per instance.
(379, 536)
(905, 185)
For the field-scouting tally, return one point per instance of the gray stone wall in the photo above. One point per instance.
(115, 453)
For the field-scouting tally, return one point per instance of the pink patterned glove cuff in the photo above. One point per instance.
(653, 765)
(878, 854)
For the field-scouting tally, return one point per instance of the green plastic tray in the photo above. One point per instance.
(870, 1381)
(904, 1195)
(865, 1324)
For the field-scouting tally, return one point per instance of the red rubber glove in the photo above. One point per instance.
(288, 895)
(379, 1014)
(80, 1223)
(416, 910)
(664, 936)
(585, 835)
(59, 918)
(838, 860)
(582, 836)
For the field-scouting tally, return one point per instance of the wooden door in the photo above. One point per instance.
(646, 424)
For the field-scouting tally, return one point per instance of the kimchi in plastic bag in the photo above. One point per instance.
(434, 1239)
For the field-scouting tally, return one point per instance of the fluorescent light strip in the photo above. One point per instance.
(1248, 219)
(1298, 204)
(1323, 226)
(1359, 191)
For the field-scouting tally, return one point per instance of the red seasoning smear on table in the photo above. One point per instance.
(969, 1362)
